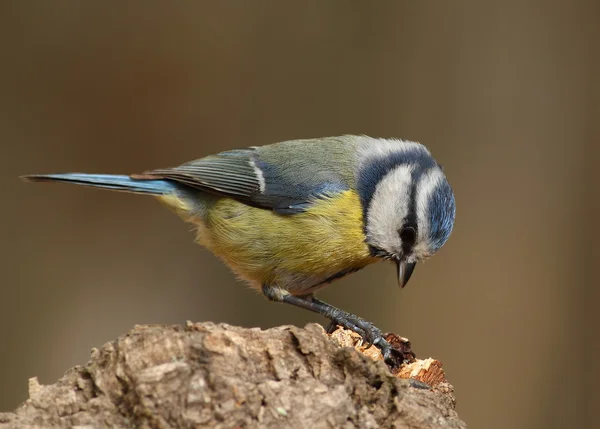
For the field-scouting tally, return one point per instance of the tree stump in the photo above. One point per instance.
(215, 375)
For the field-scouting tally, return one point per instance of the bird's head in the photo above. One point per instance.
(408, 204)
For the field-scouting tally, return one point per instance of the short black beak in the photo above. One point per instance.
(405, 270)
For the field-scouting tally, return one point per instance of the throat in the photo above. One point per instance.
(381, 254)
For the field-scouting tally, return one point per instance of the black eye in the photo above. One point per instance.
(408, 235)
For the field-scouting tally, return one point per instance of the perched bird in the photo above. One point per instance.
(292, 217)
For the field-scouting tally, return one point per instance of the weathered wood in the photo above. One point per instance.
(208, 375)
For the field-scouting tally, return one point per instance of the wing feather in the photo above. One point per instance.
(244, 175)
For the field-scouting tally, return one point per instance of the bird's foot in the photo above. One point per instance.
(371, 335)
(331, 327)
(394, 354)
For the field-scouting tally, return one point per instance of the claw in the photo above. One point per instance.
(417, 384)
(330, 329)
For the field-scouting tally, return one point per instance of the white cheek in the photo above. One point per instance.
(388, 207)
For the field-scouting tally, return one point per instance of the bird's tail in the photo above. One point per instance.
(109, 181)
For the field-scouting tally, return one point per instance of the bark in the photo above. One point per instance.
(216, 375)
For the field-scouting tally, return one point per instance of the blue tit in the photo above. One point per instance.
(292, 217)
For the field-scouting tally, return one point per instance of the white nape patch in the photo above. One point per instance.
(388, 208)
(259, 176)
(370, 149)
(428, 182)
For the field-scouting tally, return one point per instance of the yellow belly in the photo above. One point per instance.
(293, 252)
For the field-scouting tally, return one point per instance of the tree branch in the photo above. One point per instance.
(209, 375)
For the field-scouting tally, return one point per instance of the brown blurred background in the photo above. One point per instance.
(504, 94)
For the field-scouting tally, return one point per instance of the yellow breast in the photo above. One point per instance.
(294, 252)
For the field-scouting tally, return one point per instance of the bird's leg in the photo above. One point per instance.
(349, 321)
(366, 330)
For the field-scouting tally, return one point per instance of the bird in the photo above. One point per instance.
(292, 217)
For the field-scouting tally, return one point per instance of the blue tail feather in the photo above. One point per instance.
(109, 181)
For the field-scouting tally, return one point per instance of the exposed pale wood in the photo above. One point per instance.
(428, 370)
